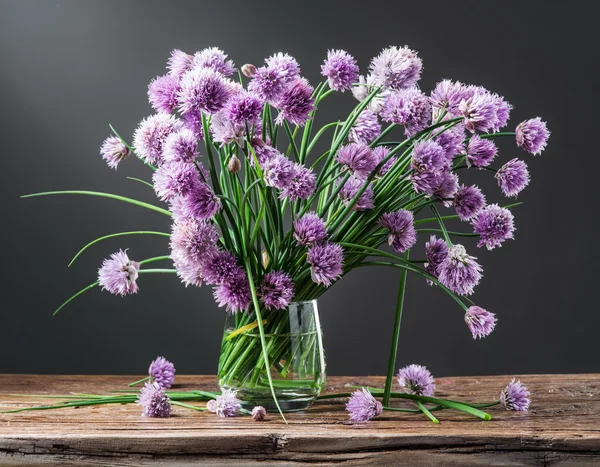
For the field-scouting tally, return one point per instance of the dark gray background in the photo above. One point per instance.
(67, 69)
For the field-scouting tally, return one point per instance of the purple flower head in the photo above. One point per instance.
(447, 95)
(215, 59)
(445, 187)
(189, 272)
(174, 179)
(468, 201)
(277, 290)
(340, 69)
(203, 90)
(162, 93)
(425, 182)
(150, 136)
(193, 122)
(494, 225)
(459, 271)
(181, 146)
(366, 128)
(408, 107)
(200, 203)
(480, 111)
(162, 372)
(481, 151)
(503, 109)
(402, 235)
(259, 413)
(234, 295)
(436, 251)
(244, 107)
(226, 404)
(358, 158)
(396, 68)
(270, 80)
(417, 380)
(193, 241)
(179, 63)
(380, 153)
(263, 151)
(279, 172)
(428, 156)
(226, 131)
(515, 396)
(154, 401)
(452, 141)
(481, 322)
(325, 263)
(118, 274)
(532, 135)
(295, 103)
(309, 229)
(513, 177)
(220, 267)
(113, 151)
(351, 188)
(363, 406)
(303, 184)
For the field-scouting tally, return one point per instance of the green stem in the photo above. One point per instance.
(427, 412)
(501, 133)
(135, 383)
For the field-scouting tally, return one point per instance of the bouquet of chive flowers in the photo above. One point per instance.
(270, 210)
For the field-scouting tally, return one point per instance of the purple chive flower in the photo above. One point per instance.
(270, 80)
(309, 229)
(494, 225)
(459, 271)
(226, 131)
(244, 107)
(189, 273)
(279, 172)
(179, 63)
(193, 241)
(480, 111)
(380, 153)
(325, 263)
(302, 185)
(295, 103)
(358, 158)
(468, 201)
(408, 107)
(366, 128)
(221, 267)
(174, 179)
(350, 190)
(532, 135)
(154, 401)
(118, 274)
(215, 59)
(452, 141)
(428, 156)
(515, 396)
(503, 109)
(277, 290)
(162, 372)
(425, 182)
(202, 90)
(481, 322)
(436, 251)
(417, 380)
(513, 177)
(162, 93)
(113, 151)
(447, 96)
(481, 151)
(363, 406)
(193, 122)
(226, 404)
(259, 413)
(396, 68)
(181, 146)
(263, 151)
(446, 187)
(200, 203)
(234, 294)
(150, 136)
(340, 69)
(402, 235)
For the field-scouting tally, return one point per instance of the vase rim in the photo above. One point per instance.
(303, 301)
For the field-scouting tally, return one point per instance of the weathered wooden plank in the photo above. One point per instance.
(562, 428)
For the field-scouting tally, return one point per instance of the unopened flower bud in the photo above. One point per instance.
(248, 70)
(234, 165)
(265, 258)
(259, 413)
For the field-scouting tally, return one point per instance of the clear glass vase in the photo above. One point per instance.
(295, 348)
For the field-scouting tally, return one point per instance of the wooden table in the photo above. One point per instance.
(562, 428)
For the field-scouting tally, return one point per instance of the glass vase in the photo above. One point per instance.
(295, 352)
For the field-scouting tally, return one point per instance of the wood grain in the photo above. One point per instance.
(562, 428)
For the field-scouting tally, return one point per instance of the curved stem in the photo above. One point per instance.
(144, 182)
